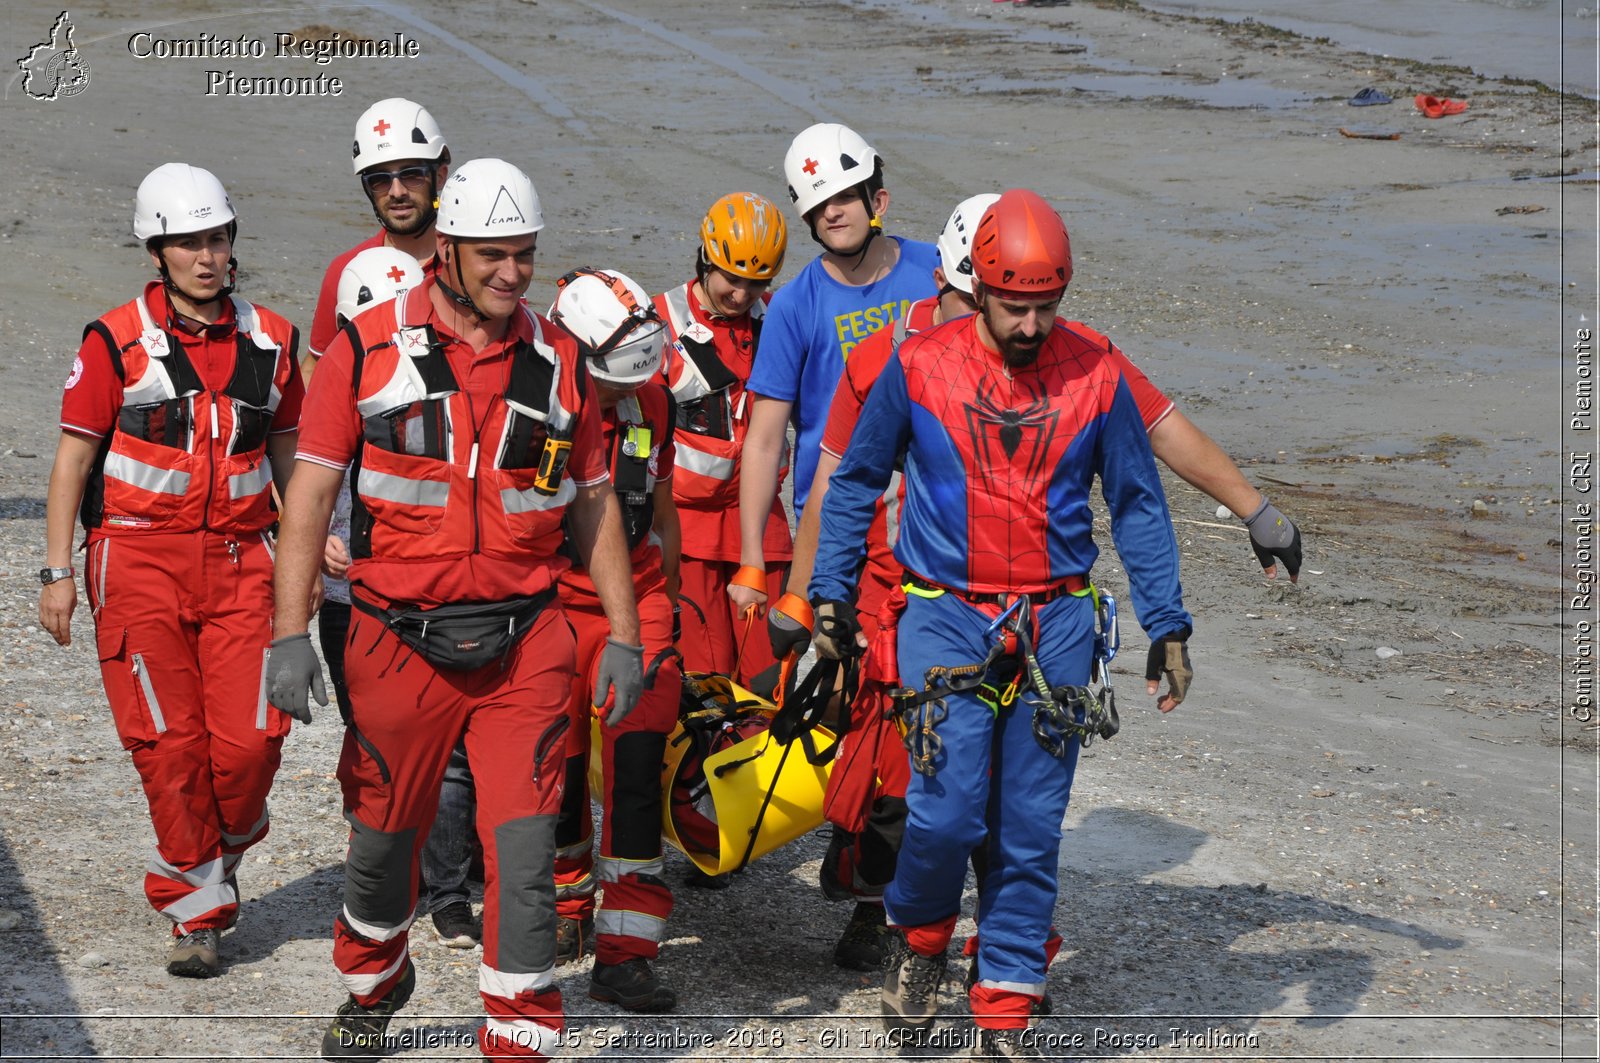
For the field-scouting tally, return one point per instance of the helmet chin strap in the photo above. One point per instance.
(874, 228)
(227, 289)
(460, 298)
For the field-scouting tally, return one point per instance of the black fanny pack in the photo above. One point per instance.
(464, 636)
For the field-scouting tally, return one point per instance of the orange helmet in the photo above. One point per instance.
(1021, 247)
(744, 234)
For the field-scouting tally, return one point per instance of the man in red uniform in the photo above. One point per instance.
(473, 434)
(402, 161)
(178, 416)
(621, 339)
(715, 323)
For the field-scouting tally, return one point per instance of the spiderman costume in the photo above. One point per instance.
(998, 468)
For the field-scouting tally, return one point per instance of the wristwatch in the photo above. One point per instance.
(48, 576)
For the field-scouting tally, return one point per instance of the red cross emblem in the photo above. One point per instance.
(397, 274)
(382, 127)
(810, 167)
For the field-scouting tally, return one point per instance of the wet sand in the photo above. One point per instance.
(1324, 852)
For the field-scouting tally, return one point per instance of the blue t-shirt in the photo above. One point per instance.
(810, 328)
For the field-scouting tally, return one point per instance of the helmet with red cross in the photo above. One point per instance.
(824, 160)
(396, 128)
(374, 276)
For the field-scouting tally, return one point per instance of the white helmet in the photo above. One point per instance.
(375, 276)
(824, 160)
(955, 243)
(489, 198)
(396, 128)
(177, 198)
(617, 329)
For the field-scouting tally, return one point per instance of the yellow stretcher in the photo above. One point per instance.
(731, 793)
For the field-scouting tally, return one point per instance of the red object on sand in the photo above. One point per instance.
(1439, 107)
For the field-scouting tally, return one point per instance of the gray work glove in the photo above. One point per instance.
(292, 669)
(787, 632)
(621, 672)
(838, 630)
(1169, 656)
(1274, 538)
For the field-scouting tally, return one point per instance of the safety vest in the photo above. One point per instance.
(437, 478)
(712, 406)
(180, 457)
(640, 427)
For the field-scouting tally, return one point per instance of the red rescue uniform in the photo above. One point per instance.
(706, 365)
(635, 902)
(179, 574)
(450, 506)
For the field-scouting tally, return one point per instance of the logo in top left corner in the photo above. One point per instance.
(54, 67)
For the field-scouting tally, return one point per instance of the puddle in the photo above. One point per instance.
(1240, 93)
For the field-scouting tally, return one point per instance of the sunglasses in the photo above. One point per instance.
(413, 178)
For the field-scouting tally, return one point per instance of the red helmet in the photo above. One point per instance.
(1021, 247)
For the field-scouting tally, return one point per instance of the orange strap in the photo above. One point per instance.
(785, 674)
(797, 609)
(751, 577)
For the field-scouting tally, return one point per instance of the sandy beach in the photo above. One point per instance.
(1370, 833)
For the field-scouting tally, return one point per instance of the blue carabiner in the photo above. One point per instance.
(994, 628)
(1107, 635)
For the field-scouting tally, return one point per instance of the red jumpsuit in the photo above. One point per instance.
(635, 901)
(179, 575)
(449, 508)
(706, 366)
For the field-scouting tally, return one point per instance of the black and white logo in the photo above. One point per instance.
(54, 68)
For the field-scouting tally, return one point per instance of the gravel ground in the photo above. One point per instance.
(1331, 851)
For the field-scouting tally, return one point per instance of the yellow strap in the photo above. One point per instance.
(922, 592)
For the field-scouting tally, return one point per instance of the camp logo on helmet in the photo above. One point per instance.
(200, 213)
(511, 212)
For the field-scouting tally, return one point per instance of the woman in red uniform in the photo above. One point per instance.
(715, 325)
(179, 414)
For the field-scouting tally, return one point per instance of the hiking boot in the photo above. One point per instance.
(631, 985)
(834, 876)
(357, 1032)
(910, 986)
(195, 954)
(999, 1045)
(572, 937)
(456, 927)
(861, 946)
(1042, 1006)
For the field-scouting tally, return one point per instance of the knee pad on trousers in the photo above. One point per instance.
(880, 842)
(633, 808)
(525, 850)
(574, 824)
(379, 874)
